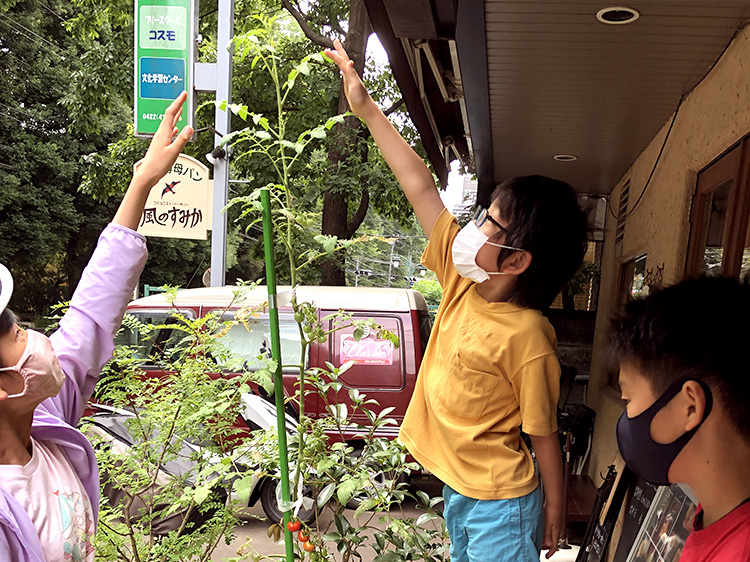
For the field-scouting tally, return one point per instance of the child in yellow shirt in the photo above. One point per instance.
(490, 369)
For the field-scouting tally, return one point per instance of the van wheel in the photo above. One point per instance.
(271, 507)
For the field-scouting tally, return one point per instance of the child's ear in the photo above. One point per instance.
(517, 263)
(696, 404)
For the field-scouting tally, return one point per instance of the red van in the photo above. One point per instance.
(381, 371)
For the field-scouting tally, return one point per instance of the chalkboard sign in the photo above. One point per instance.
(604, 527)
(638, 506)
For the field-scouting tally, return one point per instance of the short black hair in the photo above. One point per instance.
(699, 329)
(7, 321)
(544, 217)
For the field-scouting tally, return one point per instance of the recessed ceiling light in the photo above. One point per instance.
(565, 157)
(617, 15)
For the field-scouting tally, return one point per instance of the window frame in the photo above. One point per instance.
(733, 165)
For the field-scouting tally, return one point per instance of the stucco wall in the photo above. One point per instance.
(713, 117)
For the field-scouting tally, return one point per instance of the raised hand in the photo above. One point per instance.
(359, 100)
(163, 151)
(161, 155)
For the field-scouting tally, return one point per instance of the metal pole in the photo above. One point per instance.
(278, 387)
(390, 262)
(356, 275)
(222, 124)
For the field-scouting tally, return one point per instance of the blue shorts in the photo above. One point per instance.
(494, 530)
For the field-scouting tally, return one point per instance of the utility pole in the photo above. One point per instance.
(390, 262)
(222, 125)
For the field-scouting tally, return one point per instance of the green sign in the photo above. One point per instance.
(164, 48)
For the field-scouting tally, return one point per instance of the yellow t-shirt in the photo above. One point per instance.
(489, 369)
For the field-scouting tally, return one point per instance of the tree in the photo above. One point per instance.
(343, 209)
(342, 180)
(42, 216)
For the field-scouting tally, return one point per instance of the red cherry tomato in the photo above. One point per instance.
(293, 526)
(308, 546)
(302, 536)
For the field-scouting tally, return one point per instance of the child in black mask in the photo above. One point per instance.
(684, 377)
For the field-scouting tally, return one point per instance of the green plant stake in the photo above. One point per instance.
(273, 315)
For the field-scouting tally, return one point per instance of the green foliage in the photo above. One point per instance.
(430, 289)
(368, 474)
(40, 208)
(587, 273)
(184, 404)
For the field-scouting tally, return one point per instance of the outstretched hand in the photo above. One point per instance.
(159, 159)
(359, 100)
(163, 151)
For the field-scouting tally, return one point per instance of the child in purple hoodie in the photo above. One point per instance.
(49, 483)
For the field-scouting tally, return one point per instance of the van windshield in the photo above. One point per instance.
(157, 343)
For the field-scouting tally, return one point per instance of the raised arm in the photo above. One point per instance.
(84, 341)
(410, 171)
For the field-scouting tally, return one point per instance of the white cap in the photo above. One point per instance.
(6, 287)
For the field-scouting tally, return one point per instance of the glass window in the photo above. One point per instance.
(632, 279)
(253, 339)
(717, 204)
(719, 239)
(157, 342)
(745, 266)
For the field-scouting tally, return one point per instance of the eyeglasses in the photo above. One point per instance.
(482, 215)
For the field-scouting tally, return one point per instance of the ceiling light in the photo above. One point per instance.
(617, 15)
(565, 157)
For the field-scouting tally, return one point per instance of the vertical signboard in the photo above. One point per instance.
(164, 51)
(179, 205)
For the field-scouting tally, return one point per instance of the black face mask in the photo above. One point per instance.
(648, 459)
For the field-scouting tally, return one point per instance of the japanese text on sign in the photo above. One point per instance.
(178, 206)
(163, 27)
(186, 218)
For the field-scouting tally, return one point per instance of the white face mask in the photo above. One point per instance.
(467, 244)
(38, 366)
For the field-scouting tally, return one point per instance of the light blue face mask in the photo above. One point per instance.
(466, 245)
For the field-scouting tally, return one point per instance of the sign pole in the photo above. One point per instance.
(222, 126)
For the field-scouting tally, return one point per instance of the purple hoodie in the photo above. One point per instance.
(83, 344)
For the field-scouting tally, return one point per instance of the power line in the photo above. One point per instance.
(53, 12)
(24, 123)
(13, 25)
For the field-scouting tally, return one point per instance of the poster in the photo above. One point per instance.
(668, 523)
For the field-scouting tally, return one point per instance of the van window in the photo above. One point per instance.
(158, 342)
(378, 364)
(254, 340)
